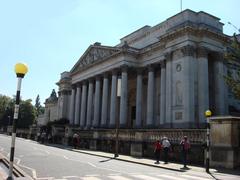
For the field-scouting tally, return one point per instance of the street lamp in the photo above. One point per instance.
(20, 70)
(208, 113)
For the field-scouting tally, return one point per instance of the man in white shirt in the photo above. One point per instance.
(166, 147)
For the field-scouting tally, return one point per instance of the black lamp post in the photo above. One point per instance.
(208, 113)
(21, 70)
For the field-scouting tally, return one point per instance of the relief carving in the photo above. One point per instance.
(95, 54)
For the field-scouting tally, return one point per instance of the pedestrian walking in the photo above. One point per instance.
(43, 136)
(75, 140)
(157, 150)
(185, 150)
(166, 148)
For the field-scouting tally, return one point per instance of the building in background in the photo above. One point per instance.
(157, 82)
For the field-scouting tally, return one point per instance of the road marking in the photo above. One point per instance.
(170, 177)
(91, 164)
(34, 173)
(66, 177)
(95, 175)
(45, 178)
(90, 178)
(18, 160)
(194, 177)
(118, 178)
(146, 177)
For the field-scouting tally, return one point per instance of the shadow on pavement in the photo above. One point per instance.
(109, 159)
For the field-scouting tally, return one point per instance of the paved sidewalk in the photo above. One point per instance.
(144, 161)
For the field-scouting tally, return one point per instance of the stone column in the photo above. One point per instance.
(89, 103)
(163, 94)
(150, 97)
(113, 99)
(220, 88)
(189, 64)
(83, 105)
(77, 106)
(203, 91)
(105, 101)
(72, 106)
(97, 102)
(168, 119)
(139, 99)
(124, 98)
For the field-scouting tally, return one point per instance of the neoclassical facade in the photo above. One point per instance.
(164, 76)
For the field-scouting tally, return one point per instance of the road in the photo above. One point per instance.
(44, 162)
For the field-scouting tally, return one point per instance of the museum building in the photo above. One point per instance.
(158, 81)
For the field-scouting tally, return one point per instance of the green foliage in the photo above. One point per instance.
(27, 112)
(232, 55)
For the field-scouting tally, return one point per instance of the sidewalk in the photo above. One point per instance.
(148, 162)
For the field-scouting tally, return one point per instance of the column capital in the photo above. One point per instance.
(188, 50)
(84, 82)
(163, 64)
(150, 67)
(78, 84)
(115, 71)
(91, 79)
(202, 52)
(124, 68)
(73, 86)
(168, 55)
(140, 70)
(98, 77)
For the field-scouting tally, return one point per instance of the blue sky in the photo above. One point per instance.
(50, 35)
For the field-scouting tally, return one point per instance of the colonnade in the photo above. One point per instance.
(94, 101)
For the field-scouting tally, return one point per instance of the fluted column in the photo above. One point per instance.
(150, 96)
(168, 115)
(113, 99)
(220, 88)
(139, 99)
(96, 103)
(163, 94)
(83, 105)
(89, 103)
(104, 101)
(72, 106)
(203, 91)
(77, 106)
(124, 98)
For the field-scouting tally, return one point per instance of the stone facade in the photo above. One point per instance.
(51, 110)
(156, 80)
(170, 74)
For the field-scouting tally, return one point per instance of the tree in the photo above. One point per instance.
(38, 107)
(232, 55)
(27, 114)
(6, 110)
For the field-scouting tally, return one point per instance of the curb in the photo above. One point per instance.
(120, 159)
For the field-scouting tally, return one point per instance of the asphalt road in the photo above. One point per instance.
(44, 162)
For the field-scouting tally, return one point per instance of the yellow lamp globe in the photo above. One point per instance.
(21, 69)
(208, 113)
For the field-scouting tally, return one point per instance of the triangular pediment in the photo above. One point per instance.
(94, 54)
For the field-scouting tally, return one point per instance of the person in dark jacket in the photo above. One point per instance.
(185, 150)
(157, 150)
